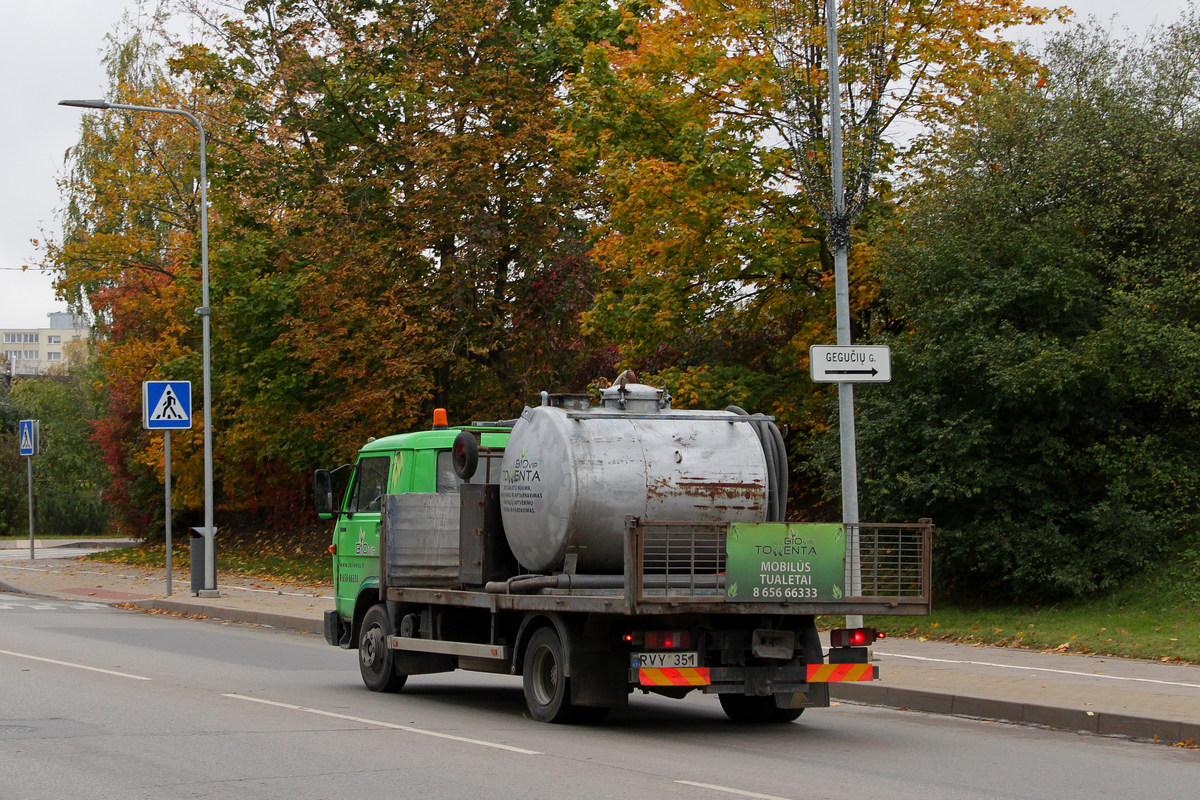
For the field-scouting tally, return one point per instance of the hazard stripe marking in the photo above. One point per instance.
(830, 673)
(683, 676)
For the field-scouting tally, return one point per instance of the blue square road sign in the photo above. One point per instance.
(28, 436)
(167, 405)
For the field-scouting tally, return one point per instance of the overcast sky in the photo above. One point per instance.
(52, 53)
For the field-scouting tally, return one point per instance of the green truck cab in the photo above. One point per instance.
(419, 462)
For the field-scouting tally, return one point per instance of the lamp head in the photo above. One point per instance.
(100, 104)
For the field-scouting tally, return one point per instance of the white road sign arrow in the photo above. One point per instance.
(850, 363)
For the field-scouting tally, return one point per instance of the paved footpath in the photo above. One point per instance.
(1113, 696)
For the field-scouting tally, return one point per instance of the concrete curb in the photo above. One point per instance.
(281, 621)
(1104, 723)
(10, 589)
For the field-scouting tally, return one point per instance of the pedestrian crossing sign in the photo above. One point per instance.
(28, 436)
(167, 405)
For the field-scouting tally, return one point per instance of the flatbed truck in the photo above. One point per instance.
(597, 552)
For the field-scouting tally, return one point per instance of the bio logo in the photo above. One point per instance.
(524, 470)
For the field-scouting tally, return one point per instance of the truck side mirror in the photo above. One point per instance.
(323, 492)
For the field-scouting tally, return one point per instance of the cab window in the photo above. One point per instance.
(370, 484)
(447, 480)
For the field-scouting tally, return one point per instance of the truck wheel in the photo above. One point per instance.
(376, 662)
(786, 714)
(748, 709)
(547, 688)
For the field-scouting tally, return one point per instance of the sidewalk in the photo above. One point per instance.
(1112, 696)
(59, 573)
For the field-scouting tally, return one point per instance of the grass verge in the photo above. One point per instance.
(300, 559)
(1102, 628)
(1153, 616)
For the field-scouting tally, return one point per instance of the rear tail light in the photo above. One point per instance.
(854, 637)
(668, 640)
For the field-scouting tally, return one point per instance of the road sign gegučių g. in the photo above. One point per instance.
(167, 405)
(28, 437)
(850, 363)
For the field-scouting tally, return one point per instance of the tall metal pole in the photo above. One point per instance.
(210, 550)
(840, 240)
(204, 312)
(167, 509)
(31, 545)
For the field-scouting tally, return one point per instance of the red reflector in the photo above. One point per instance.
(668, 640)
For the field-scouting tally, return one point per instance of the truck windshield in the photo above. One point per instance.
(370, 484)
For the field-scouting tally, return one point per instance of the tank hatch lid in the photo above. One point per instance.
(635, 397)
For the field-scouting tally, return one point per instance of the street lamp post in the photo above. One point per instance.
(204, 312)
(841, 247)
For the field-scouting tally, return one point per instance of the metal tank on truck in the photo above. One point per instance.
(572, 473)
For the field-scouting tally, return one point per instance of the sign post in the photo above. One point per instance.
(29, 434)
(167, 406)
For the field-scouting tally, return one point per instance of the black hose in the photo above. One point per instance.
(782, 468)
(775, 454)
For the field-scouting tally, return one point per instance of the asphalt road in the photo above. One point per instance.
(101, 703)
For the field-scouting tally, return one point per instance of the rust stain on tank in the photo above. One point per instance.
(708, 489)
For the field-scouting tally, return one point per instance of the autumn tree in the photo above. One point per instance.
(129, 257)
(13, 490)
(1043, 409)
(404, 233)
(68, 473)
(707, 126)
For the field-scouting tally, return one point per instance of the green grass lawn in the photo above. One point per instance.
(1103, 627)
(1155, 616)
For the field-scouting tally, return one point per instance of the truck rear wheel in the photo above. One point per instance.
(376, 661)
(547, 688)
(547, 693)
(756, 710)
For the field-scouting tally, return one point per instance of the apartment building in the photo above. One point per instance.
(43, 351)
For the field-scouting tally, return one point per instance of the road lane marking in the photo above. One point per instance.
(382, 724)
(1041, 669)
(76, 666)
(726, 789)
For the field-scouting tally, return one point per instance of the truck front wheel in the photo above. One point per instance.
(376, 661)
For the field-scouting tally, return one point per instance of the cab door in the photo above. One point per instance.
(356, 555)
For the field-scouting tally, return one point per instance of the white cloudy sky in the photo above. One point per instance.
(52, 52)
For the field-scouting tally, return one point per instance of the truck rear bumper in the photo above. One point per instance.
(753, 680)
